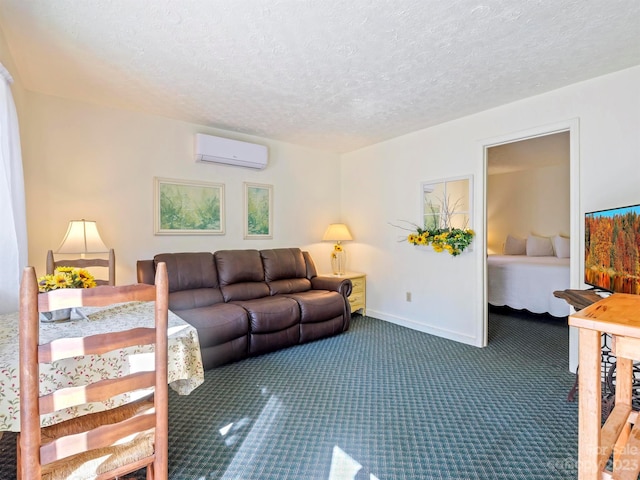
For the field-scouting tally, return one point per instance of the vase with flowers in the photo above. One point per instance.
(338, 259)
(64, 277)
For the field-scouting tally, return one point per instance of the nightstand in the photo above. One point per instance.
(358, 297)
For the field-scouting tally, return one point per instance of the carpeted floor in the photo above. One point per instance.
(398, 403)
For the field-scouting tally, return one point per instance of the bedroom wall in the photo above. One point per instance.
(447, 292)
(528, 201)
(86, 161)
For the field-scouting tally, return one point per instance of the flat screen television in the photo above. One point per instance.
(612, 246)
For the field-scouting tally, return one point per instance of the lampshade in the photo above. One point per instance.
(82, 237)
(337, 232)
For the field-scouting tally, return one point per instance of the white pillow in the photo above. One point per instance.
(515, 246)
(562, 246)
(539, 246)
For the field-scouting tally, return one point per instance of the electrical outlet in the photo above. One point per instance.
(408, 296)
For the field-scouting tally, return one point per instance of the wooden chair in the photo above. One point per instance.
(109, 263)
(98, 442)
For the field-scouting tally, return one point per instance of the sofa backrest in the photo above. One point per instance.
(193, 279)
(285, 270)
(198, 279)
(311, 266)
(241, 274)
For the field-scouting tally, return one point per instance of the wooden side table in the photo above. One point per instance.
(619, 316)
(358, 297)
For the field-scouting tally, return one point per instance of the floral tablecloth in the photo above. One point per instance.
(185, 363)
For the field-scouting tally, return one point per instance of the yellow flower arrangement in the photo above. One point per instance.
(454, 240)
(66, 277)
(441, 236)
(451, 240)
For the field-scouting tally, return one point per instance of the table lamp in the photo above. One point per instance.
(82, 237)
(337, 232)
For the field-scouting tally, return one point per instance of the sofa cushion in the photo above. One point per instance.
(244, 291)
(241, 275)
(319, 305)
(189, 270)
(271, 314)
(217, 324)
(283, 263)
(237, 266)
(196, 298)
(285, 270)
(289, 285)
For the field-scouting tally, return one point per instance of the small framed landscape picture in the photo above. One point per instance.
(258, 211)
(183, 207)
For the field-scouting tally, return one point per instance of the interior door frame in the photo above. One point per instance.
(576, 227)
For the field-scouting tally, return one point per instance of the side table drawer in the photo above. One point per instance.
(356, 301)
(357, 285)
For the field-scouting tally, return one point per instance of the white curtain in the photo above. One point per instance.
(13, 216)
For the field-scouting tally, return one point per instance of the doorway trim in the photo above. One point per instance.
(575, 225)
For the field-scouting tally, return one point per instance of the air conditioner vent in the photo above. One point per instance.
(211, 149)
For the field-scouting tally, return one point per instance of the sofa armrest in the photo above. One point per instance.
(341, 285)
(146, 271)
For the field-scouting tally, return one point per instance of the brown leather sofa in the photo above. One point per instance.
(248, 302)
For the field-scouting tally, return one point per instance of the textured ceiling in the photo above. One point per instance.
(328, 74)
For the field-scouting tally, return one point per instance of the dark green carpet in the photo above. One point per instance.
(403, 404)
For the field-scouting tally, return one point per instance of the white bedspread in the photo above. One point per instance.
(523, 282)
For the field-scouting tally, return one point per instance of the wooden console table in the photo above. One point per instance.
(619, 316)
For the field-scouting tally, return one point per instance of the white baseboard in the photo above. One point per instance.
(421, 327)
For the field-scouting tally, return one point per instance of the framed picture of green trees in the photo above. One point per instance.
(183, 207)
(258, 211)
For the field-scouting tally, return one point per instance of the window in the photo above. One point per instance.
(447, 203)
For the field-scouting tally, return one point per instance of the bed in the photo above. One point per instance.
(528, 282)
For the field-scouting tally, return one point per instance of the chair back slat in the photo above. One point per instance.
(99, 437)
(82, 263)
(109, 263)
(32, 453)
(94, 344)
(94, 297)
(95, 392)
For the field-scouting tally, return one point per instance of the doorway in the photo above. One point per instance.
(571, 128)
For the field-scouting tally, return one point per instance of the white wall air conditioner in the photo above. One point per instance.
(210, 149)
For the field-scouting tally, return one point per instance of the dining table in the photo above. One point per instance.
(185, 370)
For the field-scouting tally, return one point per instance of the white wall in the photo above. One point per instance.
(535, 201)
(85, 161)
(381, 184)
